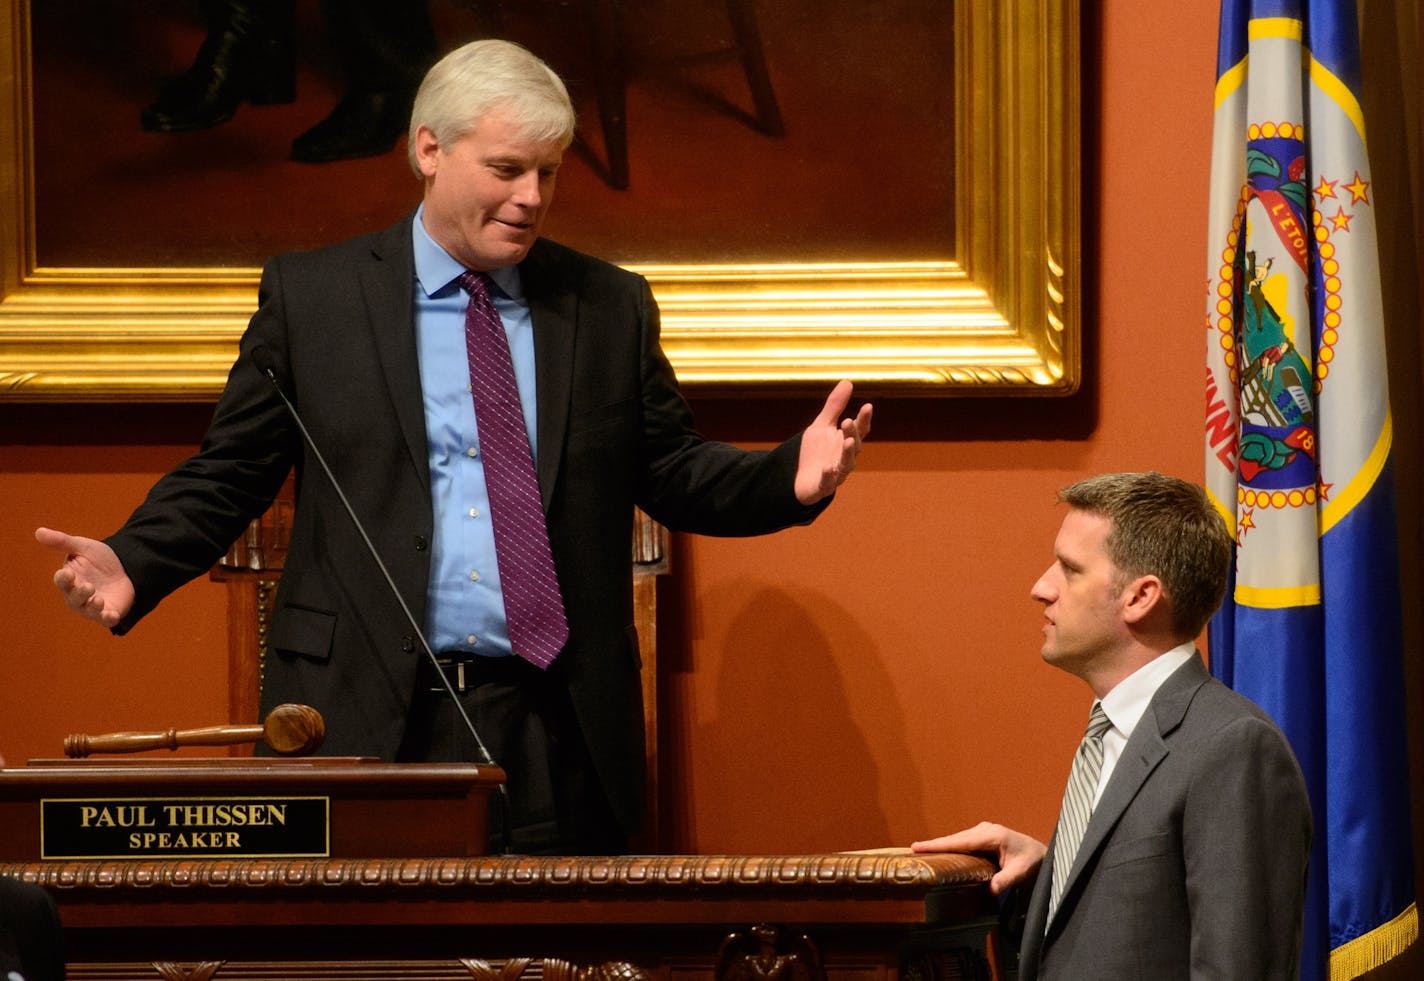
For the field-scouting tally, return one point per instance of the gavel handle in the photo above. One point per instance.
(79, 744)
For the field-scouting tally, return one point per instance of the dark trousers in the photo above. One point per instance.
(555, 803)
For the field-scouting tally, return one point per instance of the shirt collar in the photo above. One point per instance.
(1128, 700)
(436, 271)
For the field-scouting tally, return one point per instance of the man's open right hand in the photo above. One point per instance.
(92, 578)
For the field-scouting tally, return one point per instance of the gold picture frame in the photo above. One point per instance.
(1001, 317)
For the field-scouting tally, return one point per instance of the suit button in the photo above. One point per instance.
(407, 643)
(421, 543)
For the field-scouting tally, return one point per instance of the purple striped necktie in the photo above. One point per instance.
(533, 605)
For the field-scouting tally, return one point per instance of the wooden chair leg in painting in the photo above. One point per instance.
(610, 73)
(747, 33)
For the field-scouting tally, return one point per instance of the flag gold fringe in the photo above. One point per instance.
(1368, 951)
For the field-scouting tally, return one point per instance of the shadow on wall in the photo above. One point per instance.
(785, 763)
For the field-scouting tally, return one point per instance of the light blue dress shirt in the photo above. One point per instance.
(464, 605)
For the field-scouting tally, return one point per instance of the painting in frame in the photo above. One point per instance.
(992, 308)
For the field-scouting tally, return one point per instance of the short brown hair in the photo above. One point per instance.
(1166, 527)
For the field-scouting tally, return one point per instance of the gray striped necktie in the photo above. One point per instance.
(1077, 802)
(533, 604)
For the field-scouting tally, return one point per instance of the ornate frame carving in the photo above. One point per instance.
(1000, 316)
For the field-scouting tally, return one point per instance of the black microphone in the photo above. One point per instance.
(261, 359)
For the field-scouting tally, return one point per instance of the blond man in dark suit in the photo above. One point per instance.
(368, 339)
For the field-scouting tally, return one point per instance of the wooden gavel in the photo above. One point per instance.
(289, 730)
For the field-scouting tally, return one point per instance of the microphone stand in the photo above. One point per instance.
(410, 617)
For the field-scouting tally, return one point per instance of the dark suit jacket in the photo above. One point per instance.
(1193, 863)
(337, 327)
(31, 938)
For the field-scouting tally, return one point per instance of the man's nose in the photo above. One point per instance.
(1042, 589)
(527, 190)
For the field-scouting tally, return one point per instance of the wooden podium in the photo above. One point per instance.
(236, 808)
(399, 890)
(836, 917)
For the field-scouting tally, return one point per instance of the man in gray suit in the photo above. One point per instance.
(1191, 809)
(377, 341)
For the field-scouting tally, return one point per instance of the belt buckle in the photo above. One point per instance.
(444, 663)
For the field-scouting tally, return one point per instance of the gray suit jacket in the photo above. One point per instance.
(337, 327)
(1193, 863)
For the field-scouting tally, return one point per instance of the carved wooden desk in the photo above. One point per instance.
(835, 917)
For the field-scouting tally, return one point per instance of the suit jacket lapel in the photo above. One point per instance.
(387, 286)
(553, 307)
(1144, 751)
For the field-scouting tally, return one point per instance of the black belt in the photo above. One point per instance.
(467, 671)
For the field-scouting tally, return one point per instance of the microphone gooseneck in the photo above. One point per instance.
(391, 583)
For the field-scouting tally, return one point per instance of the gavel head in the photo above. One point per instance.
(293, 730)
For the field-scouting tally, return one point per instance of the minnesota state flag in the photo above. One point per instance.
(1298, 458)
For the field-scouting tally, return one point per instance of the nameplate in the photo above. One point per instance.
(185, 827)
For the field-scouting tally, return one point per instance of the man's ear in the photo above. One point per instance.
(426, 149)
(1140, 597)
